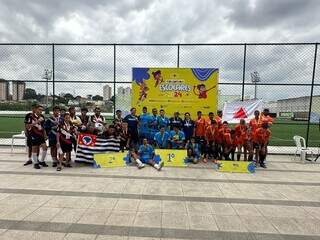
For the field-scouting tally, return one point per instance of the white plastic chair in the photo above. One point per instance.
(17, 136)
(301, 146)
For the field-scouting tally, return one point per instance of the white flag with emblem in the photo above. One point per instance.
(234, 111)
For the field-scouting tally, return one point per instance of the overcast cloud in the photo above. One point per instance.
(162, 21)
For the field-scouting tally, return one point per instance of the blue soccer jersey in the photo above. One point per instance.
(163, 122)
(146, 153)
(176, 136)
(161, 140)
(144, 120)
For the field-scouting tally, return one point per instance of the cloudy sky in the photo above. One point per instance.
(162, 21)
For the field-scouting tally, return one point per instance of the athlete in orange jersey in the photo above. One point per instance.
(227, 141)
(253, 125)
(199, 131)
(241, 137)
(265, 118)
(210, 136)
(218, 118)
(261, 138)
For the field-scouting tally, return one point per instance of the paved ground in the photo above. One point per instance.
(282, 202)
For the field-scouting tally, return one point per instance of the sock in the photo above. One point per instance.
(34, 158)
(43, 155)
(30, 158)
(138, 161)
(238, 157)
(156, 166)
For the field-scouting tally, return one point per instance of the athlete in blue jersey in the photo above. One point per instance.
(161, 139)
(163, 121)
(153, 125)
(145, 155)
(193, 151)
(144, 120)
(177, 138)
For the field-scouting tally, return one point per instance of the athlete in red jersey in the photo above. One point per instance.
(241, 137)
(34, 125)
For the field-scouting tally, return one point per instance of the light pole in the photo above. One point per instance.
(255, 78)
(47, 75)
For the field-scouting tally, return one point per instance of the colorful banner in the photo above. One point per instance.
(236, 110)
(175, 89)
(110, 160)
(171, 157)
(235, 166)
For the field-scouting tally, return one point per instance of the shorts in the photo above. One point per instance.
(66, 147)
(29, 143)
(52, 142)
(37, 140)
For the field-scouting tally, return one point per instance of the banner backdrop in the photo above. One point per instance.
(175, 89)
(236, 110)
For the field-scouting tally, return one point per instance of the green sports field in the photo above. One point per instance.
(282, 131)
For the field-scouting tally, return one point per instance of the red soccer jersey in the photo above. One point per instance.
(211, 132)
(262, 136)
(265, 119)
(200, 127)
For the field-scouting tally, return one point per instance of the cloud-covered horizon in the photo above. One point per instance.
(161, 21)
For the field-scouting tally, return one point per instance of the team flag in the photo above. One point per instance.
(236, 110)
(89, 144)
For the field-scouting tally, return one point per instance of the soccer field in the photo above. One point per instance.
(282, 131)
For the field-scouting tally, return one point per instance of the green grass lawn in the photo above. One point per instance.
(282, 131)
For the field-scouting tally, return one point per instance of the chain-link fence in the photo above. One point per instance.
(285, 76)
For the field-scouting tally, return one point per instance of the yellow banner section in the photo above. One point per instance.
(175, 89)
(235, 166)
(172, 158)
(110, 160)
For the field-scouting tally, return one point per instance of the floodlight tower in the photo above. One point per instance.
(47, 75)
(255, 78)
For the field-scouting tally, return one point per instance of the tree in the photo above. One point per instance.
(30, 94)
(68, 96)
(97, 98)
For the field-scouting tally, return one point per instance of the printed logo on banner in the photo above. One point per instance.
(171, 157)
(87, 140)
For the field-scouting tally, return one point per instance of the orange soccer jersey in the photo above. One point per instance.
(226, 136)
(219, 121)
(211, 132)
(200, 127)
(262, 136)
(241, 134)
(265, 119)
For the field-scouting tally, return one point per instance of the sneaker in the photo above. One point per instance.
(68, 165)
(36, 166)
(263, 165)
(141, 165)
(160, 166)
(204, 160)
(43, 164)
(54, 164)
(27, 163)
(59, 169)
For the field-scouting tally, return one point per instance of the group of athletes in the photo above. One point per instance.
(204, 138)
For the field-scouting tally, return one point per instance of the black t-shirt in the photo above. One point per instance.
(132, 122)
(175, 122)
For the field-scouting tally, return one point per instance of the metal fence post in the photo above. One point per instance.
(311, 94)
(53, 80)
(244, 70)
(114, 80)
(178, 55)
